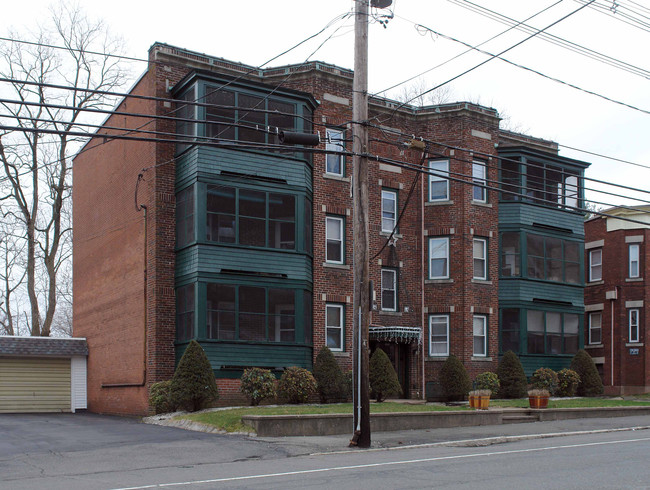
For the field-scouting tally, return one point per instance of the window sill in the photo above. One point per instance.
(336, 266)
(482, 204)
(481, 281)
(340, 354)
(387, 234)
(390, 313)
(481, 359)
(437, 358)
(439, 203)
(594, 346)
(595, 283)
(634, 344)
(336, 177)
(634, 279)
(438, 281)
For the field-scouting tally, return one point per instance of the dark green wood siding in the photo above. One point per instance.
(228, 359)
(208, 259)
(512, 214)
(523, 290)
(206, 162)
(532, 363)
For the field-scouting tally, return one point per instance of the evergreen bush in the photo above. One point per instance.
(296, 385)
(567, 383)
(383, 378)
(545, 379)
(160, 397)
(487, 381)
(257, 384)
(512, 379)
(454, 379)
(330, 381)
(193, 386)
(590, 383)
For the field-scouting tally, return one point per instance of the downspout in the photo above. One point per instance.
(612, 337)
(422, 285)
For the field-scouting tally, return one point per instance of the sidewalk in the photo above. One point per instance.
(469, 436)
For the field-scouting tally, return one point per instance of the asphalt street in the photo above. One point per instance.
(96, 452)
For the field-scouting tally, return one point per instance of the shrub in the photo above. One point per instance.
(160, 397)
(454, 379)
(511, 375)
(193, 386)
(590, 383)
(567, 383)
(545, 379)
(329, 377)
(257, 384)
(487, 381)
(296, 385)
(349, 385)
(383, 378)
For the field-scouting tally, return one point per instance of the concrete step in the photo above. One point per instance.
(520, 419)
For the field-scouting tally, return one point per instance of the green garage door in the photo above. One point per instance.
(34, 384)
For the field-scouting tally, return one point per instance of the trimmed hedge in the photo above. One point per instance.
(330, 380)
(545, 379)
(487, 381)
(296, 385)
(512, 379)
(454, 379)
(383, 378)
(568, 381)
(193, 385)
(257, 384)
(160, 397)
(590, 383)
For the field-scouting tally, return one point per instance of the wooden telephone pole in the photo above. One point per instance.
(360, 229)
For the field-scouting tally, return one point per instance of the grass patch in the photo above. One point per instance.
(570, 403)
(230, 419)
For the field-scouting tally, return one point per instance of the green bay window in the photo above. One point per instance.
(544, 332)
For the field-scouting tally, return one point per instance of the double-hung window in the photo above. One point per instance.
(633, 323)
(438, 335)
(633, 253)
(596, 265)
(595, 328)
(389, 290)
(479, 191)
(334, 233)
(438, 184)
(439, 258)
(480, 335)
(480, 258)
(388, 210)
(334, 321)
(334, 161)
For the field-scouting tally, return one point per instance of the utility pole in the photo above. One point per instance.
(360, 229)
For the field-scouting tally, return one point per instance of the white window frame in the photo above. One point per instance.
(593, 265)
(446, 257)
(634, 260)
(593, 315)
(334, 143)
(384, 287)
(388, 194)
(446, 342)
(339, 327)
(483, 323)
(482, 274)
(433, 167)
(479, 172)
(335, 221)
(633, 322)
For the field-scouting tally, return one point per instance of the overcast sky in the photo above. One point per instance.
(253, 31)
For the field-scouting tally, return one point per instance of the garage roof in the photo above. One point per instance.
(42, 347)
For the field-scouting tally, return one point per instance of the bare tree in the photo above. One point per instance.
(414, 94)
(12, 275)
(35, 156)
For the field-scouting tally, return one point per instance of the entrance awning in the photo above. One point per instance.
(402, 335)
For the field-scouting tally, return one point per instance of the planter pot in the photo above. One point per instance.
(538, 401)
(483, 402)
(472, 401)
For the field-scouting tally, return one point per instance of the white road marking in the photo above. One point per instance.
(375, 465)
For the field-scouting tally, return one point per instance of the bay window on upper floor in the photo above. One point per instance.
(533, 256)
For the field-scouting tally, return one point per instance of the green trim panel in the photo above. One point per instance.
(526, 290)
(532, 363)
(518, 213)
(209, 162)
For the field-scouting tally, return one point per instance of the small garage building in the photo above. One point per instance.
(42, 374)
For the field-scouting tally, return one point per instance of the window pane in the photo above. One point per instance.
(283, 121)
(510, 257)
(252, 119)
(185, 312)
(438, 330)
(334, 162)
(185, 217)
(252, 220)
(282, 234)
(571, 340)
(595, 324)
(571, 251)
(221, 214)
(438, 257)
(334, 326)
(252, 318)
(308, 227)
(220, 119)
(282, 315)
(220, 311)
(535, 332)
(334, 245)
(388, 290)
(510, 330)
(388, 210)
(438, 184)
(479, 327)
(510, 179)
(478, 174)
(553, 333)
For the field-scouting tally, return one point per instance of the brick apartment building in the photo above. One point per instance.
(615, 298)
(248, 249)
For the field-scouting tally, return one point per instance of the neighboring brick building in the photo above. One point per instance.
(617, 266)
(249, 249)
